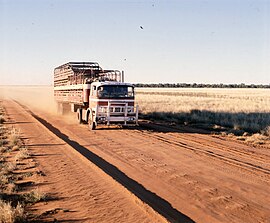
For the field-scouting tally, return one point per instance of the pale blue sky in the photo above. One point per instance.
(216, 41)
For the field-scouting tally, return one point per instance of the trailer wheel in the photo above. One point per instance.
(79, 115)
(91, 123)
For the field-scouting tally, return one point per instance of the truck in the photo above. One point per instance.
(100, 97)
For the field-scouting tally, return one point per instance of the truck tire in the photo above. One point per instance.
(79, 115)
(91, 122)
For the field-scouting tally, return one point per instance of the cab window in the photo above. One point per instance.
(115, 91)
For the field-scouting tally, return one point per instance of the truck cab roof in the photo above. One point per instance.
(102, 83)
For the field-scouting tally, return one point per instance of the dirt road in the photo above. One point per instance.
(131, 175)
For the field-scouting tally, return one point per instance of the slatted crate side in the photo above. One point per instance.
(69, 96)
(63, 75)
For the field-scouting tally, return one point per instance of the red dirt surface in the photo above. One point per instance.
(184, 175)
(78, 190)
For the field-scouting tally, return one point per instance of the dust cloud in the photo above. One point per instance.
(37, 97)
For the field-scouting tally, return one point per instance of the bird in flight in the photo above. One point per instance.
(141, 27)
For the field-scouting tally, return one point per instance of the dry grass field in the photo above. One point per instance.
(241, 110)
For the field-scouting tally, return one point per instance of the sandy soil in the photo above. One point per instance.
(131, 175)
(78, 190)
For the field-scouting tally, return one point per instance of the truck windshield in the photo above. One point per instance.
(115, 91)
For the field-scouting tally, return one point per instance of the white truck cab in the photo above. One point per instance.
(111, 103)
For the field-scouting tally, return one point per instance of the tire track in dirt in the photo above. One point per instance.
(224, 145)
(153, 200)
(208, 139)
(257, 176)
(214, 151)
(135, 135)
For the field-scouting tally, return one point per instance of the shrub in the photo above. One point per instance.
(34, 196)
(3, 130)
(3, 142)
(3, 179)
(9, 214)
(13, 137)
(7, 168)
(266, 131)
(22, 154)
(2, 119)
(257, 139)
(11, 166)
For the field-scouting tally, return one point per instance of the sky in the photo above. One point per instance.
(153, 41)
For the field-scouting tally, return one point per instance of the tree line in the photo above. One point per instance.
(194, 85)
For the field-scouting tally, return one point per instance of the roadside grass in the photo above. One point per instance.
(257, 138)
(239, 112)
(2, 119)
(233, 111)
(13, 137)
(34, 196)
(236, 123)
(3, 137)
(22, 154)
(8, 167)
(266, 131)
(10, 214)
(13, 200)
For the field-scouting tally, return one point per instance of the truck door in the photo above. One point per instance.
(93, 95)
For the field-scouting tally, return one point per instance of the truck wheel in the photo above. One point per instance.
(91, 123)
(79, 115)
